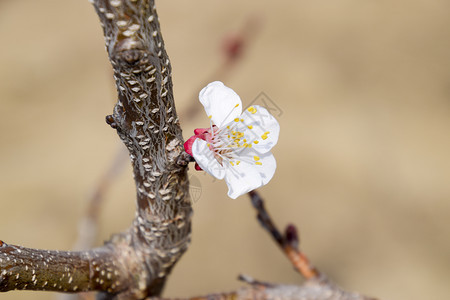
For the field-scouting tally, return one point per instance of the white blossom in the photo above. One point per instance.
(236, 147)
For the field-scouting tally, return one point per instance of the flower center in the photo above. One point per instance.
(226, 143)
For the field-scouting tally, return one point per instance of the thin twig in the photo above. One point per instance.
(233, 48)
(287, 242)
(88, 226)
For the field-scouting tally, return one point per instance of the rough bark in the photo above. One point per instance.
(135, 263)
(146, 121)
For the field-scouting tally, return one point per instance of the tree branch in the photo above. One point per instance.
(146, 121)
(313, 289)
(63, 271)
(287, 242)
(88, 225)
(233, 48)
(134, 264)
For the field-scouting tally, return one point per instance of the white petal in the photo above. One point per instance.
(264, 128)
(206, 160)
(248, 176)
(221, 103)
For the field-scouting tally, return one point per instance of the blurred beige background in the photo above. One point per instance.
(363, 157)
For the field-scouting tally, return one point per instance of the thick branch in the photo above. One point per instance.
(134, 264)
(31, 269)
(146, 121)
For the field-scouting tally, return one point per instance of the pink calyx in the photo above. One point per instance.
(199, 133)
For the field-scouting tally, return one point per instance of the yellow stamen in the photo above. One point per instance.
(258, 163)
(236, 120)
(238, 162)
(209, 117)
(208, 144)
(250, 126)
(242, 120)
(256, 142)
(237, 105)
(251, 109)
(231, 163)
(256, 158)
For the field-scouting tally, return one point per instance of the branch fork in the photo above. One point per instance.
(133, 264)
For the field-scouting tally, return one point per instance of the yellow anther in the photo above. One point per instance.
(245, 145)
(237, 141)
(256, 142)
(256, 158)
(233, 132)
(245, 140)
(249, 145)
(228, 127)
(242, 120)
(228, 135)
(231, 163)
(264, 136)
(236, 105)
(267, 132)
(208, 144)
(209, 117)
(236, 120)
(251, 109)
(250, 126)
(238, 162)
(258, 163)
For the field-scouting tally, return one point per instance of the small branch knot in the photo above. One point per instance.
(184, 159)
(130, 51)
(111, 122)
(291, 236)
(132, 56)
